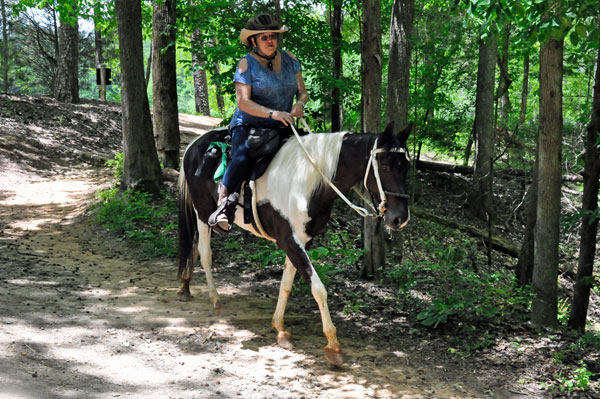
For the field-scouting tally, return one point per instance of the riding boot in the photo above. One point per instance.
(222, 218)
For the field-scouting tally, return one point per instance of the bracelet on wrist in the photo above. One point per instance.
(301, 102)
(271, 114)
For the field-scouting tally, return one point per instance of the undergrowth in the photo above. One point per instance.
(148, 222)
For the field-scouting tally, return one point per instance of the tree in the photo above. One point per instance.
(164, 86)
(66, 83)
(371, 56)
(141, 169)
(200, 80)
(481, 195)
(544, 307)
(589, 223)
(401, 26)
(336, 53)
(4, 47)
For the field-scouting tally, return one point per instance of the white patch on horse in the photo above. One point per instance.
(291, 179)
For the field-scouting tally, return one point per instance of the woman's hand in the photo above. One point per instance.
(297, 110)
(284, 117)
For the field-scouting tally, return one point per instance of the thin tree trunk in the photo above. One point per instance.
(66, 84)
(200, 80)
(524, 271)
(589, 224)
(480, 195)
(141, 169)
(336, 94)
(4, 48)
(401, 27)
(217, 82)
(373, 239)
(148, 73)
(164, 83)
(525, 90)
(545, 267)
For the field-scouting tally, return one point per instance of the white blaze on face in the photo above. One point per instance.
(291, 179)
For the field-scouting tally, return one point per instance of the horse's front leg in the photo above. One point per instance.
(297, 254)
(284, 338)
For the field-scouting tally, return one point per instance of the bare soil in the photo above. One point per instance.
(82, 316)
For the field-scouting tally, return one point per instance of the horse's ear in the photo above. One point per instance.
(389, 129)
(387, 137)
(403, 135)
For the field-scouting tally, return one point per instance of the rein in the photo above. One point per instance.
(372, 163)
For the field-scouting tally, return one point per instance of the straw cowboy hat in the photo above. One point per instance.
(260, 23)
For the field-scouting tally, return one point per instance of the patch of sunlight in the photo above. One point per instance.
(134, 309)
(98, 292)
(24, 282)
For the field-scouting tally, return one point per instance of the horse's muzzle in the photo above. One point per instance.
(396, 222)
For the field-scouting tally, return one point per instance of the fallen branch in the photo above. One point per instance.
(468, 170)
(498, 243)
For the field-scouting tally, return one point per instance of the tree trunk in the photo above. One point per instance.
(148, 68)
(4, 48)
(200, 80)
(525, 90)
(589, 224)
(505, 80)
(524, 271)
(336, 93)
(66, 83)
(480, 195)
(401, 26)
(141, 169)
(164, 83)
(217, 82)
(545, 266)
(373, 239)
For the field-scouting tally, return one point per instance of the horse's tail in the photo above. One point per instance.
(187, 223)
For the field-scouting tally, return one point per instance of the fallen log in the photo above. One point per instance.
(506, 173)
(498, 243)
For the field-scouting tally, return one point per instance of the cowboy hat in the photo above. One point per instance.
(260, 23)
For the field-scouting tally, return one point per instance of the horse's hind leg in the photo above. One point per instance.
(184, 292)
(284, 338)
(206, 259)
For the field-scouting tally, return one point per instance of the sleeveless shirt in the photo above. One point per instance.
(274, 90)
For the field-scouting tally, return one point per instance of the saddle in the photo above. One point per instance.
(263, 143)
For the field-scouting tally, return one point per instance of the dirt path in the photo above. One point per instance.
(80, 317)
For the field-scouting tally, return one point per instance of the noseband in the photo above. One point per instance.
(372, 163)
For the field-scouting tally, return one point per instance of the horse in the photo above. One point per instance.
(294, 202)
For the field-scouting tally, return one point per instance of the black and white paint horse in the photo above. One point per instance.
(294, 204)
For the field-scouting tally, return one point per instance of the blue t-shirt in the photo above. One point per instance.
(274, 90)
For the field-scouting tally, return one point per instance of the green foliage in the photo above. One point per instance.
(116, 165)
(578, 380)
(465, 293)
(141, 219)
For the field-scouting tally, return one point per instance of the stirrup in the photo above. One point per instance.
(224, 213)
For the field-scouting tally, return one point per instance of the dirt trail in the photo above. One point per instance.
(81, 317)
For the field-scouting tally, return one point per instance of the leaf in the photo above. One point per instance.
(581, 30)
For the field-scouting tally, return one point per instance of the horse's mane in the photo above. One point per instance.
(292, 179)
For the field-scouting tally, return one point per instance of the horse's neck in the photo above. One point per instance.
(353, 160)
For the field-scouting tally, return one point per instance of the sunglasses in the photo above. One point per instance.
(272, 36)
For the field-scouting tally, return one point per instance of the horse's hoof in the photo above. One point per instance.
(334, 356)
(284, 340)
(184, 296)
(217, 307)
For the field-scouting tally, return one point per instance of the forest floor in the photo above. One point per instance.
(83, 316)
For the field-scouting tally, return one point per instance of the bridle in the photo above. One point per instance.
(372, 163)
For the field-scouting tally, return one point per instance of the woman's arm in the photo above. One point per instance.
(301, 98)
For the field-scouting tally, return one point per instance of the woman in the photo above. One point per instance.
(266, 81)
